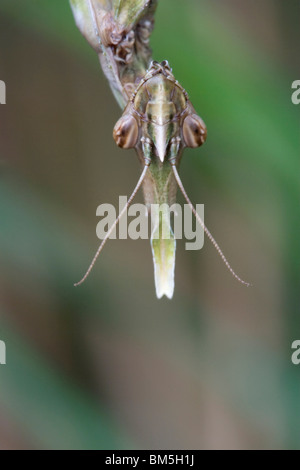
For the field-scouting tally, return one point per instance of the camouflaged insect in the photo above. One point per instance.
(159, 121)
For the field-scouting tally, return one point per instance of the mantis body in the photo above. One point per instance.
(158, 121)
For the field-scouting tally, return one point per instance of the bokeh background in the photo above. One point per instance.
(107, 365)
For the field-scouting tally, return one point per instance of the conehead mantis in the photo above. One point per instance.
(158, 121)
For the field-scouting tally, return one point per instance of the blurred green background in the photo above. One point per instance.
(107, 365)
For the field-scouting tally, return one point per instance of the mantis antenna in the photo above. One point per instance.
(139, 183)
(209, 235)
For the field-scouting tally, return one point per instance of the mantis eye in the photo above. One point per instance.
(126, 132)
(194, 131)
(166, 65)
